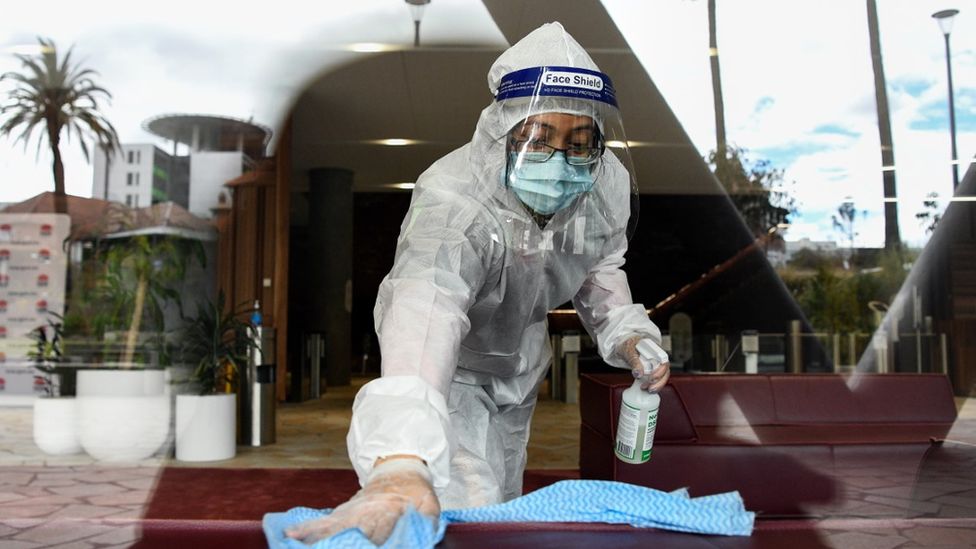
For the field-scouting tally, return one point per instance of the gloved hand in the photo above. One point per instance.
(659, 376)
(393, 485)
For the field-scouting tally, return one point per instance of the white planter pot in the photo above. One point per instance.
(123, 415)
(206, 427)
(54, 426)
(127, 383)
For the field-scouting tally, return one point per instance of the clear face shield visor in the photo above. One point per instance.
(563, 140)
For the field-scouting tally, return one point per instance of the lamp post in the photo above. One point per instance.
(417, 12)
(944, 19)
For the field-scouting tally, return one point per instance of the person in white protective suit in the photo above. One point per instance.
(532, 213)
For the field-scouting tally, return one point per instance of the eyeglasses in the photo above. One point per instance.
(532, 150)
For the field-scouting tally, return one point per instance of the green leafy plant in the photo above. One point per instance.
(756, 188)
(48, 352)
(137, 283)
(217, 340)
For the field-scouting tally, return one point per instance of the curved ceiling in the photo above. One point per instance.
(432, 96)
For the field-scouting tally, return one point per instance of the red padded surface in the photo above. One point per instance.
(600, 402)
(248, 535)
(823, 434)
(768, 534)
(726, 399)
(863, 398)
(775, 480)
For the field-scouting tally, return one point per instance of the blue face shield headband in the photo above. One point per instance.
(569, 82)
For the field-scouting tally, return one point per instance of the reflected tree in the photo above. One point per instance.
(844, 222)
(930, 216)
(756, 188)
(60, 97)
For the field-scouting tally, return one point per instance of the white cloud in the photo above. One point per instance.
(789, 68)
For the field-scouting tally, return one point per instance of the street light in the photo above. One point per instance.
(417, 12)
(944, 19)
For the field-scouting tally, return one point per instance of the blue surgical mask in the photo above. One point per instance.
(548, 186)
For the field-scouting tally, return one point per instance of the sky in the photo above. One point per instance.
(797, 81)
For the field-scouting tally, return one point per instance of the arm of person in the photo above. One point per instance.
(400, 439)
(615, 322)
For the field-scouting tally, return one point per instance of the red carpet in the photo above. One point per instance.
(247, 494)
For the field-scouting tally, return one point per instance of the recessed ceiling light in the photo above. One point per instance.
(396, 142)
(372, 47)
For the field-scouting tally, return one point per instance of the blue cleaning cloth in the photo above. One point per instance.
(565, 501)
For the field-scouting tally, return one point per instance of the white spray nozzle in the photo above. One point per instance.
(651, 355)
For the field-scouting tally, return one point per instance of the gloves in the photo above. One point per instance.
(636, 348)
(393, 485)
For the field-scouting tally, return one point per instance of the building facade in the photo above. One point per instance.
(141, 174)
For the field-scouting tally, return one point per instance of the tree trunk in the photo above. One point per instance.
(892, 234)
(132, 337)
(54, 139)
(720, 142)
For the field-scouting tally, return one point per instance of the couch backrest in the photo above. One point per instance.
(600, 396)
(863, 398)
(726, 399)
(788, 399)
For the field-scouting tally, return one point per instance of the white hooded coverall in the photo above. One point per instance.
(461, 317)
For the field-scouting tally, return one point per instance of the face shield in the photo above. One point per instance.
(560, 136)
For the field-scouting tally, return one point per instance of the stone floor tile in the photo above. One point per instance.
(130, 497)
(7, 497)
(860, 540)
(40, 500)
(119, 534)
(15, 478)
(84, 511)
(904, 504)
(30, 511)
(79, 544)
(929, 536)
(143, 483)
(62, 531)
(18, 544)
(88, 490)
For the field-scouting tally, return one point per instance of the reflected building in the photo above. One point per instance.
(216, 149)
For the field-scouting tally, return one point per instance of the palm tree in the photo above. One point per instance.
(60, 96)
(892, 234)
(720, 141)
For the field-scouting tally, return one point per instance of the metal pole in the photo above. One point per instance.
(416, 34)
(835, 344)
(796, 347)
(952, 118)
(918, 350)
(555, 389)
(945, 354)
(852, 349)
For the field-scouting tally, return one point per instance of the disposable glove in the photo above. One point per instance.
(652, 354)
(393, 486)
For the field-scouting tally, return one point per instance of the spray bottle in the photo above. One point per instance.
(638, 410)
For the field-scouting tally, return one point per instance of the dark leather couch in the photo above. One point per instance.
(792, 445)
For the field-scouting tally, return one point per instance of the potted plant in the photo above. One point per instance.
(54, 413)
(124, 405)
(216, 340)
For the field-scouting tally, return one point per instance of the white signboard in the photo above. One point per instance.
(33, 272)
